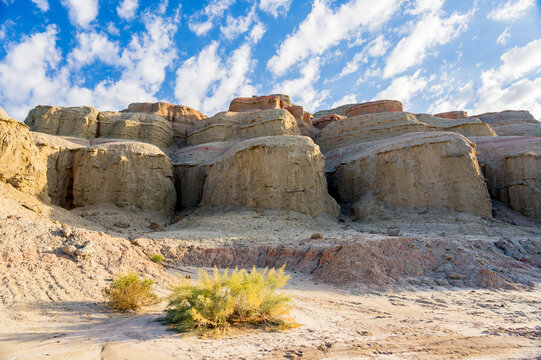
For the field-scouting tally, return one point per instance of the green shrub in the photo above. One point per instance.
(157, 258)
(241, 298)
(130, 292)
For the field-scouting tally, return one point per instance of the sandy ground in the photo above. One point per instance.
(416, 296)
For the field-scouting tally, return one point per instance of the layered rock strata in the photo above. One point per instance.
(374, 107)
(79, 121)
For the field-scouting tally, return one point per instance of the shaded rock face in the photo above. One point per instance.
(374, 107)
(57, 154)
(508, 116)
(512, 166)
(433, 170)
(65, 121)
(323, 121)
(279, 172)
(284, 98)
(340, 110)
(249, 104)
(124, 174)
(20, 164)
(235, 126)
(512, 123)
(149, 128)
(380, 126)
(452, 115)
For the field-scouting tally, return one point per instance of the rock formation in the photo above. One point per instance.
(512, 166)
(374, 107)
(125, 174)
(340, 110)
(323, 121)
(79, 121)
(149, 128)
(512, 123)
(234, 126)
(433, 170)
(452, 115)
(250, 104)
(279, 172)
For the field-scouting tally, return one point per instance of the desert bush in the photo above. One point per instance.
(129, 291)
(240, 298)
(157, 258)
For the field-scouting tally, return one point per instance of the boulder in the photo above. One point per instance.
(304, 120)
(380, 126)
(182, 118)
(278, 172)
(20, 165)
(79, 121)
(248, 104)
(149, 128)
(512, 166)
(127, 174)
(284, 98)
(57, 153)
(323, 121)
(236, 126)
(427, 170)
(340, 110)
(374, 107)
(452, 115)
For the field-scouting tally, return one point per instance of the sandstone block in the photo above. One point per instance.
(79, 121)
(452, 115)
(506, 117)
(304, 120)
(124, 174)
(340, 110)
(323, 121)
(434, 170)
(374, 107)
(248, 104)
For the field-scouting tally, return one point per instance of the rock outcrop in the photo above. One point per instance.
(20, 165)
(126, 174)
(452, 115)
(512, 123)
(323, 121)
(79, 121)
(304, 120)
(512, 166)
(256, 103)
(380, 126)
(374, 107)
(236, 126)
(340, 110)
(278, 172)
(149, 128)
(427, 170)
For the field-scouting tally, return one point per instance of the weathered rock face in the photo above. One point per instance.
(379, 126)
(513, 170)
(65, 121)
(235, 126)
(326, 120)
(149, 128)
(452, 115)
(508, 116)
(247, 104)
(3, 114)
(512, 123)
(57, 154)
(434, 170)
(304, 120)
(374, 107)
(340, 110)
(284, 98)
(124, 174)
(279, 172)
(518, 129)
(20, 165)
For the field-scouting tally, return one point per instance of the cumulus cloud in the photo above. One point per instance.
(127, 9)
(208, 81)
(376, 48)
(81, 12)
(403, 88)
(275, 7)
(508, 87)
(203, 21)
(92, 46)
(43, 5)
(504, 36)
(325, 27)
(430, 31)
(257, 32)
(511, 10)
(238, 25)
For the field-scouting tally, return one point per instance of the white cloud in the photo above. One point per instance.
(127, 9)
(81, 12)
(431, 30)
(275, 7)
(325, 27)
(238, 25)
(213, 11)
(209, 81)
(403, 88)
(507, 87)
(301, 89)
(422, 6)
(92, 46)
(377, 47)
(347, 99)
(257, 32)
(43, 5)
(450, 96)
(504, 36)
(112, 29)
(511, 10)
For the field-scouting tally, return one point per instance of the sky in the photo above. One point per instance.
(433, 55)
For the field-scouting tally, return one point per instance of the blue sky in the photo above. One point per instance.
(433, 55)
